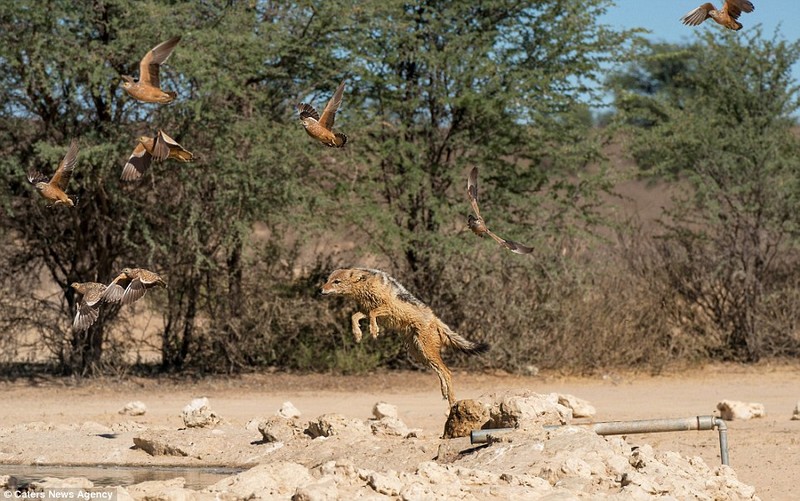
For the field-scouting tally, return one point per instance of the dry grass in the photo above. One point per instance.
(610, 305)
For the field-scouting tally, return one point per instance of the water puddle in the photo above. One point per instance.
(196, 478)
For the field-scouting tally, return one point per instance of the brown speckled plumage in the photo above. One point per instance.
(478, 225)
(727, 16)
(89, 305)
(132, 284)
(55, 188)
(148, 87)
(321, 127)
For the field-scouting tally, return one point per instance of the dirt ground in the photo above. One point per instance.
(764, 452)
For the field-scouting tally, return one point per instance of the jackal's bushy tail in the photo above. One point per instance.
(463, 344)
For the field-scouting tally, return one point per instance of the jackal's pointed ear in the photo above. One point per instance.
(361, 275)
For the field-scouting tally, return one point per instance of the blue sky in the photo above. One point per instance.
(662, 19)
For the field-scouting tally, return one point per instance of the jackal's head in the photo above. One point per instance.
(343, 281)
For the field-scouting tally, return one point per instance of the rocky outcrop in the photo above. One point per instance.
(278, 429)
(465, 416)
(267, 481)
(329, 425)
(522, 409)
(337, 457)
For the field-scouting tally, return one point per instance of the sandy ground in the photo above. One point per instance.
(764, 452)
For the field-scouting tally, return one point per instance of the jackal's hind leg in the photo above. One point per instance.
(427, 350)
(357, 317)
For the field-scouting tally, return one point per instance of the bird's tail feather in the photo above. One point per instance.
(340, 139)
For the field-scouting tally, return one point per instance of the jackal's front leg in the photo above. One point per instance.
(380, 311)
(356, 318)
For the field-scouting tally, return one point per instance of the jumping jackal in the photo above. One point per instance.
(380, 295)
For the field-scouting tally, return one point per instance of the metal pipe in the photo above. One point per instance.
(482, 436)
(723, 440)
(698, 423)
(651, 425)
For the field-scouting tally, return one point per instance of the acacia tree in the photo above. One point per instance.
(443, 86)
(253, 66)
(62, 66)
(59, 83)
(433, 87)
(718, 114)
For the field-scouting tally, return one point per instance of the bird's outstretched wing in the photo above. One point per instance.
(89, 305)
(164, 146)
(85, 316)
(329, 113)
(734, 8)
(510, 244)
(477, 224)
(34, 176)
(137, 163)
(149, 66)
(698, 15)
(306, 111)
(133, 292)
(65, 168)
(161, 145)
(116, 288)
(472, 190)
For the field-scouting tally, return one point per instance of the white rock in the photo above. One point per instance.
(617, 465)
(167, 490)
(567, 463)
(796, 411)
(278, 480)
(526, 480)
(436, 473)
(322, 490)
(197, 414)
(476, 476)
(134, 408)
(731, 409)
(156, 445)
(580, 407)
(343, 470)
(392, 426)
(288, 411)
(417, 491)
(276, 429)
(335, 424)
(576, 467)
(387, 483)
(383, 409)
(123, 494)
(252, 424)
(524, 409)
